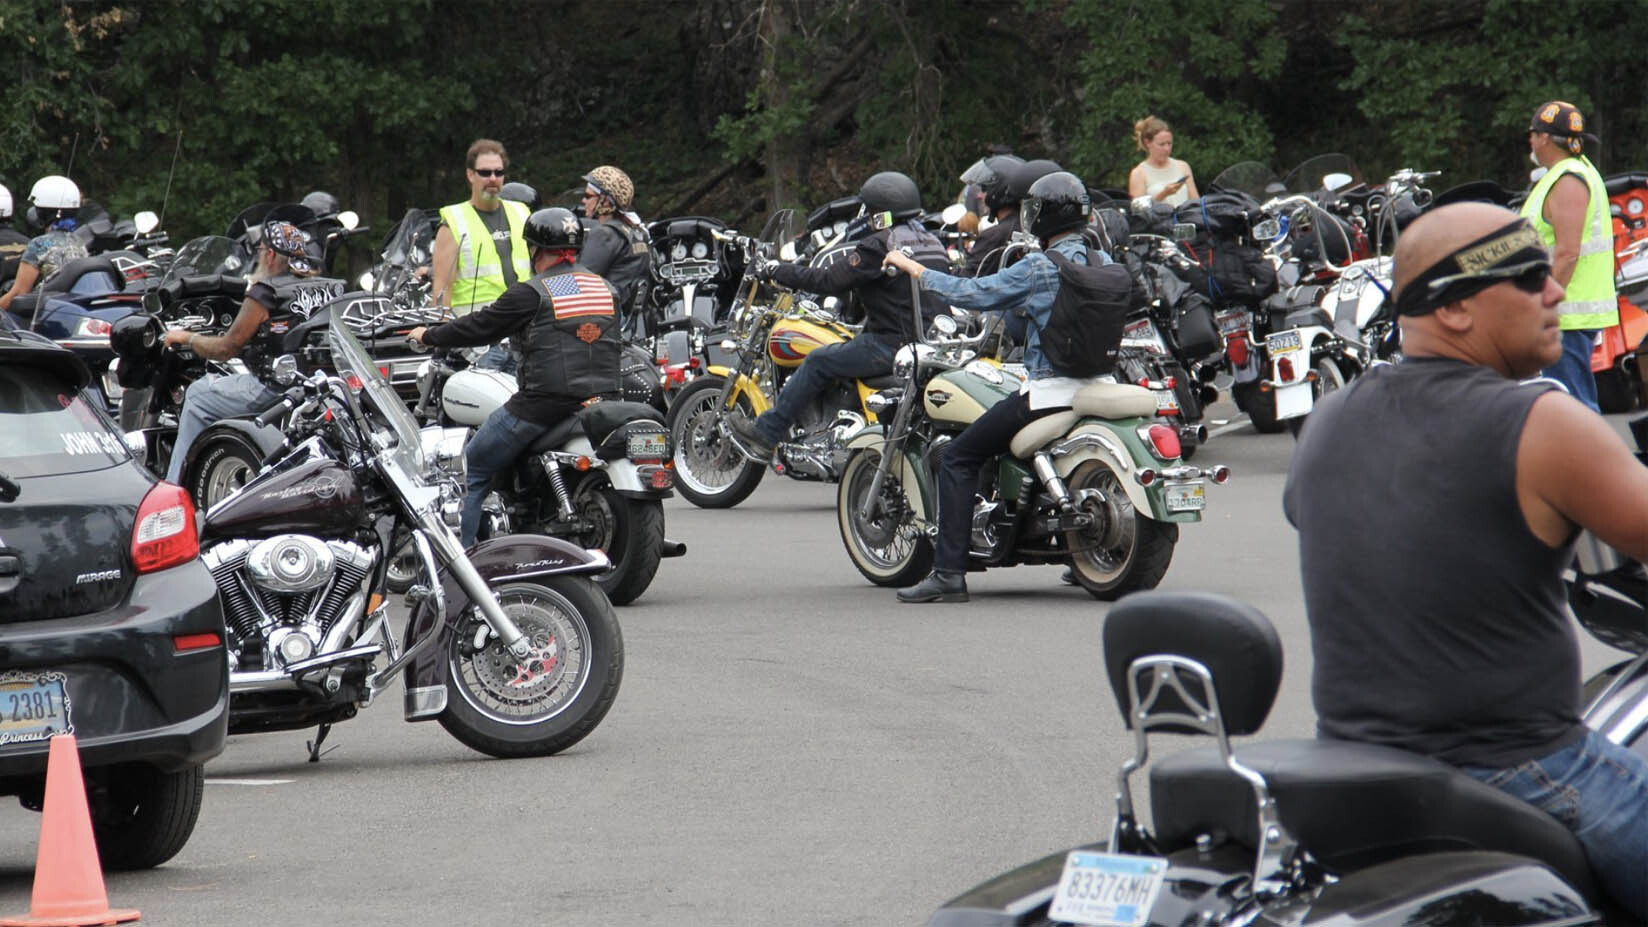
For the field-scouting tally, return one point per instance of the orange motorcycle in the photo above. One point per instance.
(1616, 359)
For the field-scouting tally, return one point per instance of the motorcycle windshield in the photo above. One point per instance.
(1307, 177)
(211, 254)
(410, 246)
(782, 226)
(1250, 177)
(387, 412)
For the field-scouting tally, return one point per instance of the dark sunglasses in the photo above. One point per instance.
(484, 172)
(1528, 277)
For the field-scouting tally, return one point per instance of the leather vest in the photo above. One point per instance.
(573, 343)
(296, 299)
(1590, 301)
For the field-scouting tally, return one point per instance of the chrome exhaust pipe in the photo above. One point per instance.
(270, 680)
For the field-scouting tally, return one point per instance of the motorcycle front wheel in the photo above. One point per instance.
(710, 471)
(1124, 550)
(508, 707)
(887, 547)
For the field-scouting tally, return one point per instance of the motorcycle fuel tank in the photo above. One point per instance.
(793, 339)
(961, 396)
(471, 395)
(314, 496)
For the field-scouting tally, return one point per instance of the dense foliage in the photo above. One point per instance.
(728, 107)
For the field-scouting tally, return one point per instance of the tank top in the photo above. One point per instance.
(1438, 620)
(1156, 179)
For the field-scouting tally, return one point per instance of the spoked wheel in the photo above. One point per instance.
(1329, 377)
(227, 463)
(403, 569)
(709, 470)
(1124, 550)
(509, 707)
(887, 547)
(630, 531)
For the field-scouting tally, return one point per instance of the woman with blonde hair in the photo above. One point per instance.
(1160, 176)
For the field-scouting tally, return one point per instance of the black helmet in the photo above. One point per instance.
(520, 193)
(554, 228)
(1018, 185)
(1055, 203)
(321, 203)
(890, 191)
(1000, 170)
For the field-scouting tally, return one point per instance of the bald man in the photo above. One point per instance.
(1437, 502)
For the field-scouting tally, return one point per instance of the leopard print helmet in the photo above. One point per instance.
(617, 192)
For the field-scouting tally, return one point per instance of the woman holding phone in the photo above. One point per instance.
(1160, 176)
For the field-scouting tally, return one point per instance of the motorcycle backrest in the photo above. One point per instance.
(1232, 640)
(98, 273)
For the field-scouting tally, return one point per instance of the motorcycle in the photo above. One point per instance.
(770, 334)
(1101, 487)
(1616, 361)
(696, 265)
(1316, 831)
(598, 479)
(511, 645)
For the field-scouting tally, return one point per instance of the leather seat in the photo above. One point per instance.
(556, 436)
(1352, 805)
(883, 381)
(1114, 400)
(1032, 436)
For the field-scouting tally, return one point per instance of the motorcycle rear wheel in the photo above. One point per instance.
(226, 463)
(710, 471)
(1260, 407)
(504, 707)
(889, 550)
(1130, 551)
(629, 530)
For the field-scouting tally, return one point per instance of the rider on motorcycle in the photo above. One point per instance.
(12, 242)
(1438, 501)
(1002, 194)
(564, 322)
(893, 204)
(55, 200)
(1056, 209)
(617, 248)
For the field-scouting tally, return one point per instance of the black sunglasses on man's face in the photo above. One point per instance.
(487, 172)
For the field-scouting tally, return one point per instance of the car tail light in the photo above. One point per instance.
(1284, 369)
(165, 533)
(1163, 440)
(183, 643)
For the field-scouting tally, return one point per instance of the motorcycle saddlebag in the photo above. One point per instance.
(605, 423)
(1198, 336)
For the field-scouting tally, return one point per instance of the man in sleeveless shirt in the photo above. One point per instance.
(1437, 502)
(479, 249)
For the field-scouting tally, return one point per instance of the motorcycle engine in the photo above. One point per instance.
(289, 597)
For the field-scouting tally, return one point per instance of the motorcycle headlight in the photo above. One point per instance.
(366, 280)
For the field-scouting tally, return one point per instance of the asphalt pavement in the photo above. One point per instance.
(790, 745)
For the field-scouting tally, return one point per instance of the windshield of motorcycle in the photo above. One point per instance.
(1250, 177)
(1307, 177)
(410, 246)
(210, 254)
(782, 226)
(386, 410)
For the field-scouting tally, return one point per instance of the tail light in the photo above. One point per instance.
(1284, 370)
(1220, 474)
(1164, 441)
(1145, 477)
(165, 533)
(1236, 348)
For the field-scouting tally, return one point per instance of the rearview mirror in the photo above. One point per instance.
(953, 213)
(1267, 230)
(348, 219)
(145, 222)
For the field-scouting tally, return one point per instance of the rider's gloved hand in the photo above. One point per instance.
(763, 270)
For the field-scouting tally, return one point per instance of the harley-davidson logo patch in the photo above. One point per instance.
(588, 332)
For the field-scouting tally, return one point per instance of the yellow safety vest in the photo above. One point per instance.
(1590, 301)
(478, 279)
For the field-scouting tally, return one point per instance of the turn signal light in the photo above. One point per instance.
(164, 535)
(1145, 476)
(183, 643)
(1220, 474)
(583, 464)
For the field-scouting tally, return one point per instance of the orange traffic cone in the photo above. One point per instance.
(68, 879)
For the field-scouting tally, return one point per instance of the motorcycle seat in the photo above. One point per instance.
(88, 275)
(1114, 400)
(1033, 436)
(1352, 805)
(556, 436)
(1304, 318)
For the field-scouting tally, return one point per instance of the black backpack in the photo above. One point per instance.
(1084, 329)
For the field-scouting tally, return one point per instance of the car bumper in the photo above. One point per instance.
(132, 696)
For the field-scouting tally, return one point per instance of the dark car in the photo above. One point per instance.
(110, 626)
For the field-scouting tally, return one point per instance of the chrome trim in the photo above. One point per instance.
(424, 702)
(599, 564)
(1090, 439)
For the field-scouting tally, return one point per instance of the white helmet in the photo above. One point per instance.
(55, 192)
(5, 202)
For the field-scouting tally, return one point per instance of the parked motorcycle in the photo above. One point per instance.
(1616, 361)
(1101, 487)
(511, 646)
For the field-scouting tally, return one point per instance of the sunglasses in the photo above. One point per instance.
(1528, 277)
(484, 172)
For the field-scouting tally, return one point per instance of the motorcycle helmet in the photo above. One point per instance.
(321, 203)
(520, 193)
(5, 202)
(1000, 169)
(617, 192)
(890, 192)
(1018, 185)
(55, 192)
(1056, 203)
(555, 229)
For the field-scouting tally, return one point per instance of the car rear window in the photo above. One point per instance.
(49, 428)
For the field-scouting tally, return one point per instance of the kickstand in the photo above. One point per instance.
(315, 752)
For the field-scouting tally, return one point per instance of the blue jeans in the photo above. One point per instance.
(1573, 368)
(213, 399)
(500, 358)
(494, 447)
(1598, 790)
(864, 356)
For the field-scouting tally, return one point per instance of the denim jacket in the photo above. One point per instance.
(1028, 286)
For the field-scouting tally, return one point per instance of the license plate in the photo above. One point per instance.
(1232, 322)
(33, 706)
(1186, 497)
(1107, 889)
(1282, 342)
(653, 446)
(1166, 401)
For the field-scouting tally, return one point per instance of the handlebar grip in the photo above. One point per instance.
(272, 414)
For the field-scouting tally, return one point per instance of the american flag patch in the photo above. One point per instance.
(578, 294)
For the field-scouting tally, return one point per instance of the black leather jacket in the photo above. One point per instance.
(618, 251)
(886, 299)
(988, 247)
(289, 299)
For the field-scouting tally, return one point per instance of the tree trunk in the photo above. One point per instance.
(783, 149)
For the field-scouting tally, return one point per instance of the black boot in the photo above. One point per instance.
(748, 439)
(939, 586)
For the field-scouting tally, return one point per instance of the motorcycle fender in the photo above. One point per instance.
(744, 386)
(1114, 450)
(1293, 400)
(913, 476)
(626, 480)
(498, 560)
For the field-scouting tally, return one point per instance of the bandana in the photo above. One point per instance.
(1493, 258)
(294, 243)
(1563, 122)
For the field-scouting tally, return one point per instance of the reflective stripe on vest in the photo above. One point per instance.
(479, 277)
(1590, 301)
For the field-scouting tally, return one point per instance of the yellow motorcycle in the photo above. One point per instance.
(771, 332)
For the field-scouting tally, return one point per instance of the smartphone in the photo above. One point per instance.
(1182, 179)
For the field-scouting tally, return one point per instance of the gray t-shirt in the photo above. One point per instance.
(1438, 620)
(497, 222)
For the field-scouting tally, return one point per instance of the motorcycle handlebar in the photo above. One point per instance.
(273, 414)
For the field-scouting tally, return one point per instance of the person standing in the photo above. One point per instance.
(1160, 176)
(1569, 208)
(480, 250)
